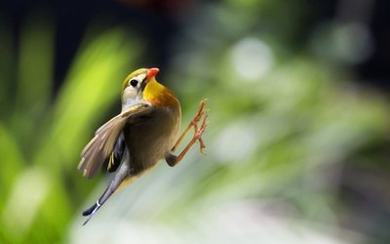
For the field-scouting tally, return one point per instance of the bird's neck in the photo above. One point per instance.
(127, 103)
(159, 95)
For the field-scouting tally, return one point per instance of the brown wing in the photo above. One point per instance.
(100, 147)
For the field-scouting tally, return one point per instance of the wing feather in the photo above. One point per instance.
(100, 147)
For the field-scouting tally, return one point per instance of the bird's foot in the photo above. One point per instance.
(200, 130)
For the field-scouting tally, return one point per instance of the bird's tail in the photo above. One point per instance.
(116, 184)
(121, 176)
(94, 208)
(123, 173)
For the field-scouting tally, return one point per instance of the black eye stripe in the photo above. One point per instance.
(143, 84)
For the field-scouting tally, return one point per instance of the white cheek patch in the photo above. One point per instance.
(132, 95)
(128, 103)
(130, 92)
(130, 98)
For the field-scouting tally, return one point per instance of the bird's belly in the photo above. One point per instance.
(150, 140)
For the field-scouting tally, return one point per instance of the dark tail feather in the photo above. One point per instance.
(94, 208)
(91, 211)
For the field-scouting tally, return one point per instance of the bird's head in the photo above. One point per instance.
(141, 85)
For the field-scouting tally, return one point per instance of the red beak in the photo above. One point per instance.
(152, 72)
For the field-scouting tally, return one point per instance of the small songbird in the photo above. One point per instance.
(143, 133)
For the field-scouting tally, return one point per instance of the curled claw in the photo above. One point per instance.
(202, 146)
(199, 132)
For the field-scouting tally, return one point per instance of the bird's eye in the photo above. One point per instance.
(133, 83)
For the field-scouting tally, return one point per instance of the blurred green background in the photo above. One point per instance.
(298, 137)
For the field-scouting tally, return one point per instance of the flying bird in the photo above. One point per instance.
(144, 132)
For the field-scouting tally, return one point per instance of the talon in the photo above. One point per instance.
(202, 146)
(199, 132)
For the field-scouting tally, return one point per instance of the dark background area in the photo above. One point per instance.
(160, 21)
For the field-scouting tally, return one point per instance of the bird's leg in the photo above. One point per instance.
(172, 159)
(194, 123)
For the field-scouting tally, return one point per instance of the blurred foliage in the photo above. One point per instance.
(41, 140)
(281, 124)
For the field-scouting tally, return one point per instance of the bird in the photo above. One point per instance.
(144, 132)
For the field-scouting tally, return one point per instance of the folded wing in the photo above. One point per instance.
(100, 147)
